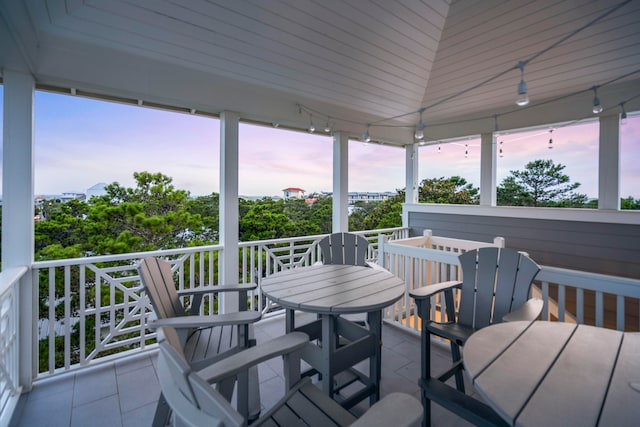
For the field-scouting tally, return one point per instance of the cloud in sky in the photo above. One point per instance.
(80, 142)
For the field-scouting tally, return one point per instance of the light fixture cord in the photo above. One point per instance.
(526, 61)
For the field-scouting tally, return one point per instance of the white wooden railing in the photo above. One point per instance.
(92, 309)
(9, 343)
(78, 294)
(264, 257)
(423, 261)
(602, 300)
(591, 294)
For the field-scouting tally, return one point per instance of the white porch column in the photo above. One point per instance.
(340, 182)
(17, 205)
(229, 221)
(412, 172)
(609, 163)
(488, 186)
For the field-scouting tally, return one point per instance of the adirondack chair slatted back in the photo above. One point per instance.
(344, 248)
(495, 282)
(190, 397)
(217, 340)
(157, 279)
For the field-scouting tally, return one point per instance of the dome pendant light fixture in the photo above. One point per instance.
(312, 128)
(523, 97)
(365, 136)
(597, 107)
(623, 115)
(327, 127)
(419, 135)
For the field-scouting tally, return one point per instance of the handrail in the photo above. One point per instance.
(10, 276)
(105, 291)
(94, 307)
(425, 266)
(10, 361)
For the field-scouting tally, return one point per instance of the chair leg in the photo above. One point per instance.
(254, 394)
(455, 356)
(163, 411)
(255, 404)
(425, 356)
(426, 405)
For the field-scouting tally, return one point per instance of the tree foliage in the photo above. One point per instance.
(385, 214)
(541, 184)
(630, 203)
(453, 190)
(153, 215)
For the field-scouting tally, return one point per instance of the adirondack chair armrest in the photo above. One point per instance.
(529, 311)
(396, 409)
(376, 266)
(199, 292)
(430, 290)
(207, 289)
(239, 362)
(189, 322)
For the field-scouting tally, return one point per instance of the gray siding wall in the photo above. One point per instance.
(579, 245)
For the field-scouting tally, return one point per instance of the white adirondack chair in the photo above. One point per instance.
(344, 248)
(495, 287)
(196, 403)
(204, 339)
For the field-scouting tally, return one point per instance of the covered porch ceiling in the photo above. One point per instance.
(344, 62)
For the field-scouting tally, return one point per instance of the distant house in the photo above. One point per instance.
(96, 190)
(65, 197)
(364, 196)
(293, 193)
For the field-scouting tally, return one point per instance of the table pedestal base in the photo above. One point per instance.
(339, 345)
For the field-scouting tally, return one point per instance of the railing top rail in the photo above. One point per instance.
(436, 255)
(121, 257)
(312, 237)
(617, 285)
(9, 276)
(429, 240)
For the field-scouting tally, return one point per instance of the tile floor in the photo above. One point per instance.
(124, 393)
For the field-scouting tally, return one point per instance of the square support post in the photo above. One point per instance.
(488, 166)
(340, 216)
(229, 221)
(18, 206)
(412, 173)
(609, 163)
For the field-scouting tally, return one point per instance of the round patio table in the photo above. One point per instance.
(556, 373)
(332, 291)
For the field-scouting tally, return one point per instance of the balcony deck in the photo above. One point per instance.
(124, 393)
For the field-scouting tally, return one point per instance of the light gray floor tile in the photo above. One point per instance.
(100, 413)
(140, 417)
(391, 361)
(52, 411)
(138, 388)
(17, 413)
(271, 391)
(95, 384)
(52, 386)
(133, 363)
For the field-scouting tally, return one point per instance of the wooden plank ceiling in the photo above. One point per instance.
(347, 62)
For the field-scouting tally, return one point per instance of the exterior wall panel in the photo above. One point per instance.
(606, 248)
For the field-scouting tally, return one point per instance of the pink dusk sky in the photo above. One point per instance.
(81, 142)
